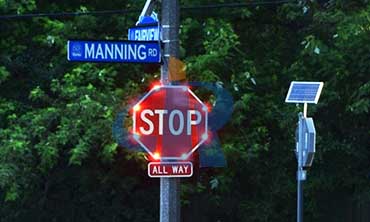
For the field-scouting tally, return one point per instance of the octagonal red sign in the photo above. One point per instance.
(170, 122)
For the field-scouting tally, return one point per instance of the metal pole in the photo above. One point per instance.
(170, 187)
(299, 199)
(170, 200)
(170, 34)
(300, 172)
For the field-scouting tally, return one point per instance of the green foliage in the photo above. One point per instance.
(58, 160)
(4, 74)
(20, 6)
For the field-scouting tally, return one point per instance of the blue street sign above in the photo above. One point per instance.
(113, 51)
(144, 33)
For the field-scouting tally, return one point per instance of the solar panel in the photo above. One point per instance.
(304, 92)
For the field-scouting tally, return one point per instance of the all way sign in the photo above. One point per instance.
(114, 51)
(170, 169)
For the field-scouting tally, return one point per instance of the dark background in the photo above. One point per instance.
(59, 162)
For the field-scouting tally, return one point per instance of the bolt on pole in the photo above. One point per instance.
(169, 187)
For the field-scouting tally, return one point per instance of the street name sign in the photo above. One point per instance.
(114, 51)
(170, 169)
(144, 33)
(170, 122)
(304, 92)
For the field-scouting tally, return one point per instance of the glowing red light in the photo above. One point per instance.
(156, 156)
(155, 85)
(209, 107)
(137, 108)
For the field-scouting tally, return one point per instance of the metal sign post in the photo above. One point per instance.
(304, 92)
(301, 174)
(170, 187)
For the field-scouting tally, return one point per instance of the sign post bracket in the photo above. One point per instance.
(305, 110)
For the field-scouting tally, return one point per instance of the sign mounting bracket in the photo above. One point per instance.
(147, 10)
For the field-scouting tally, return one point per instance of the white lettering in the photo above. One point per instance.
(180, 169)
(171, 122)
(186, 168)
(174, 169)
(89, 53)
(108, 50)
(99, 52)
(159, 170)
(131, 51)
(147, 121)
(154, 170)
(175, 126)
(142, 53)
(164, 170)
(152, 52)
(143, 34)
(160, 112)
(148, 34)
(193, 122)
(119, 51)
(151, 34)
(137, 34)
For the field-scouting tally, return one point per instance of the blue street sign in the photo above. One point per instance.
(144, 33)
(113, 51)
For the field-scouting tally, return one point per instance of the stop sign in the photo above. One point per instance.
(170, 122)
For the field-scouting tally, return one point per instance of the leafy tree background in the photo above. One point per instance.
(59, 162)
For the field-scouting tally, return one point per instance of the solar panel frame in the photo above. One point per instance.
(294, 84)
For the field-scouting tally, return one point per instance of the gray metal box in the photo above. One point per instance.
(308, 144)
